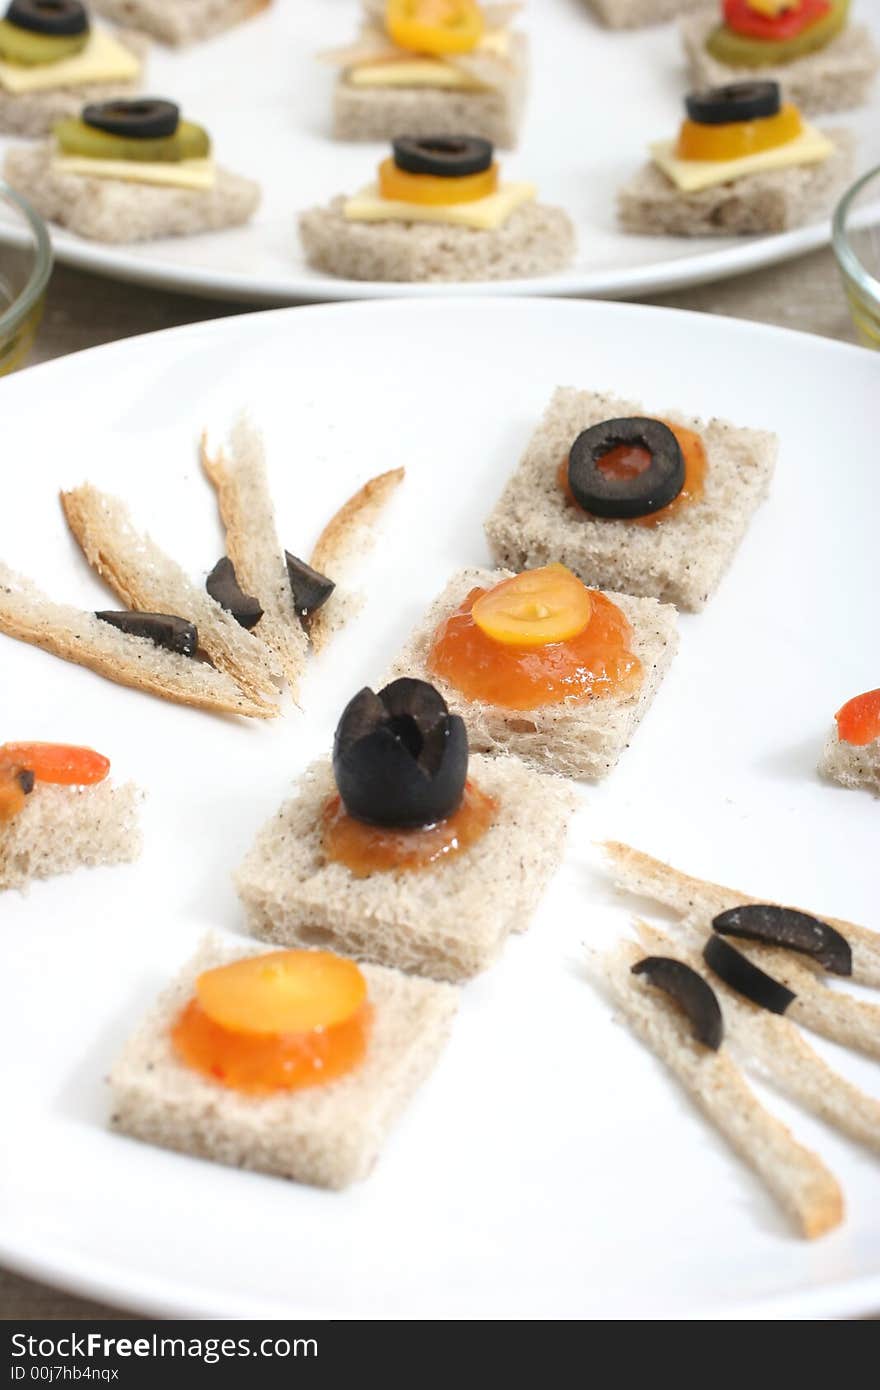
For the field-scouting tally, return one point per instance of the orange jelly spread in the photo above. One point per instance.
(858, 722)
(57, 763)
(596, 661)
(364, 848)
(281, 1021)
(628, 461)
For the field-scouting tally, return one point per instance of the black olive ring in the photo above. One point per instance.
(58, 18)
(143, 118)
(446, 156)
(738, 101)
(603, 495)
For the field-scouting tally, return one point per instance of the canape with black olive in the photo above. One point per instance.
(53, 58)
(404, 850)
(131, 170)
(438, 210)
(744, 161)
(650, 505)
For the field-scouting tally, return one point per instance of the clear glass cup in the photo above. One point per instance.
(25, 267)
(856, 241)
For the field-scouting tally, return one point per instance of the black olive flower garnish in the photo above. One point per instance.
(399, 757)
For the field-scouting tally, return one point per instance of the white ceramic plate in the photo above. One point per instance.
(549, 1167)
(597, 99)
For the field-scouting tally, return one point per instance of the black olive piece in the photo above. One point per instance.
(689, 990)
(224, 589)
(400, 758)
(166, 630)
(310, 589)
(141, 118)
(26, 779)
(60, 18)
(793, 930)
(731, 966)
(737, 101)
(446, 156)
(603, 495)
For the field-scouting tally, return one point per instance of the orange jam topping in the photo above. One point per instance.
(736, 139)
(628, 461)
(365, 849)
(12, 793)
(276, 1022)
(858, 722)
(435, 189)
(47, 762)
(596, 662)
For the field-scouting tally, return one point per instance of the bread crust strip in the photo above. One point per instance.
(146, 579)
(252, 544)
(795, 1176)
(78, 636)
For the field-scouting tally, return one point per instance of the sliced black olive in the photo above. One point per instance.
(738, 101)
(224, 589)
(26, 779)
(141, 118)
(166, 630)
(446, 156)
(399, 757)
(735, 970)
(59, 17)
(656, 486)
(691, 992)
(310, 589)
(785, 926)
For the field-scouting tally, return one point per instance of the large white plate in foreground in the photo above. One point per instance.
(597, 99)
(549, 1167)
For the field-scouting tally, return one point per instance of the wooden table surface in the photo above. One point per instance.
(83, 311)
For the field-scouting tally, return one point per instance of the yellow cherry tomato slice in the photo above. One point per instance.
(403, 187)
(534, 608)
(738, 138)
(282, 992)
(435, 26)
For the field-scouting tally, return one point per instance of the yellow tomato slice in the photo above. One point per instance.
(738, 138)
(401, 186)
(435, 26)
(282, 992)
(534, 608)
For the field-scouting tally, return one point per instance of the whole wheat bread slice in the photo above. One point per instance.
(328, 1135)
(252, 544)
(774, 1048)
(148, 580)
(448, 921)
(116, 211)
(63, 828)
(795, 1176)
(78, 636)
(775, 200)
(850, 764)
(348, 535)
(181, 21)
(682, 558)
(572, 738)
(835, 78)
(33, 114)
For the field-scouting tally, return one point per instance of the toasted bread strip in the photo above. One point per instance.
(348, 534)
(253, 546)
(778, 1050)
(78, 636)
(145, 578)
(797, 1178)
(640, 873)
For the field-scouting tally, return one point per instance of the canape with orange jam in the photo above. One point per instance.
(495, 661)
(629, 461)
(282, 1021)
(367, 849)
(22, 764)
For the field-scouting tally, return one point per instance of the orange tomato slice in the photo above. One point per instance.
(282, 992)
(737, 139)
(858, 721)
(436, 27)
(60, 763)
(402, 186)
(534, 608)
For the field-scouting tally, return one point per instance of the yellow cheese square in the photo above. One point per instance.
(485, 214)
(104, 59)
(196, 174)
(415, 72)
(691, 175)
